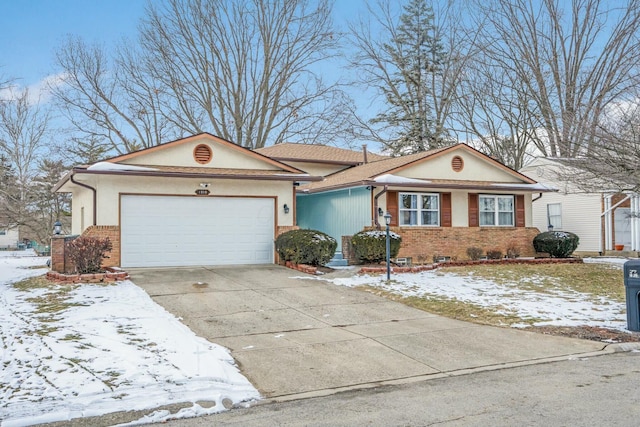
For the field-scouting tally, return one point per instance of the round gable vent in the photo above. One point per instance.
(457, 164)
(202, 154)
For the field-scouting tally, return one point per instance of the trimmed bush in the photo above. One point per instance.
(371, 246)
(474, 253)
(494, 254)
(513, 251)
(306, 247)
(87, 253)
(558, 244)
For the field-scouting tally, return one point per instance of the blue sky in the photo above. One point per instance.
(30, 30)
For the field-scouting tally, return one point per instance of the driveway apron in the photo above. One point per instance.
(293, 337)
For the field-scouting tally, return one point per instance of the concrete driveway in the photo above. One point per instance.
(296, 338)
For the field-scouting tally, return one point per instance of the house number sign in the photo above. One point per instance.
(633, 274)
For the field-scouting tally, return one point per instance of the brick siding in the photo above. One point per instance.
(113, 233)
(422, 244)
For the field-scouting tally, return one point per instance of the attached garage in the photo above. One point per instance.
(186, 231)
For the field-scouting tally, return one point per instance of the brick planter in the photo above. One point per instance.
(108, 276)
(427, 267)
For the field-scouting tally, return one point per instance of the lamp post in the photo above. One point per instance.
(387, 220)
(57, 228)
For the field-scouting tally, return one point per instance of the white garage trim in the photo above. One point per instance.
(159, 231)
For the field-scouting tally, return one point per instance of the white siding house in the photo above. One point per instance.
(601, 220)
(9, 237)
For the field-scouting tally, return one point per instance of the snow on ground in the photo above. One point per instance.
(113, 350)
(555, 306)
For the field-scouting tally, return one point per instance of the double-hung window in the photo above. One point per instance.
(554, 215)
(496, 210)
(419, 209)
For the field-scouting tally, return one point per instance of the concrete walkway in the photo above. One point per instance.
(297, 338)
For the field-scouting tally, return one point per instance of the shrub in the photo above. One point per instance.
(306, 247)
(558, 244)
(494, 254)
(87, 253)
(474, 253)
(513, 251)
(371, 246)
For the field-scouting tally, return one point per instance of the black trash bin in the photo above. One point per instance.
(632, 286)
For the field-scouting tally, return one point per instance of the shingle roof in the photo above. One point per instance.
(317, 154)
(368, 171)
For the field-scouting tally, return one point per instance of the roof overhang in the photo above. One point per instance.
(210, 174)
(396, 182)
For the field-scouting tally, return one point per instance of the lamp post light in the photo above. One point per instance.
(57, 228)
(387, 220)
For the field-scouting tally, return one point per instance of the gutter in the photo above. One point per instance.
(296, 177)
(375, 206)
(95, 200)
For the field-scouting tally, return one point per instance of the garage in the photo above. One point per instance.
(189, 230)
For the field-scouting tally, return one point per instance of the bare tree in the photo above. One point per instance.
(244, 70)
(23, 132)
(414, 61)
(106, 100)
(613, 162)
(573, 58)
(490, 112)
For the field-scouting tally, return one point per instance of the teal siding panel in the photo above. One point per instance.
(337, 213)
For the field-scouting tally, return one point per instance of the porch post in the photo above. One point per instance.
(635, 221)
(608, 223)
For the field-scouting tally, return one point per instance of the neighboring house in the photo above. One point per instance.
(200, 200)
(601, 220)
(9, 235)
(441, 201)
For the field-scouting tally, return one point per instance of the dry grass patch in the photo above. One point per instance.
(599, 280)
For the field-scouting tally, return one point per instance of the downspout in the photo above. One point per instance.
(95, 211)
(537, 198)
(375, 207)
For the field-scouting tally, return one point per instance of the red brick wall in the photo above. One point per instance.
(423, 243)
(59, 261)
(113, 233)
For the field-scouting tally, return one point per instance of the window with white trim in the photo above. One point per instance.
(554, 215)
(419, 209)
(496, 210)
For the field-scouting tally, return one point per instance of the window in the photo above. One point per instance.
(496, 210)
(419, 209)
(554, 215)
(3, 232)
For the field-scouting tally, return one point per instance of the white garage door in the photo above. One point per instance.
(161, 231)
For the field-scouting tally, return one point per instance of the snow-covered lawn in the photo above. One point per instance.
(102, 349)
(556, 307)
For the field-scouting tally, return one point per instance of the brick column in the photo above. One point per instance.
(59, 262)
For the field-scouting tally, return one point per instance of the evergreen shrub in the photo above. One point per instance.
(310, 247)
(371, 246)
(558, 244)
(87, 253)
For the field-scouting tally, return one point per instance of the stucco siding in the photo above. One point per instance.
(110, 187)
(81, 210)
(182, 155)
(337, 213)
(460, 205)
(475, 169)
